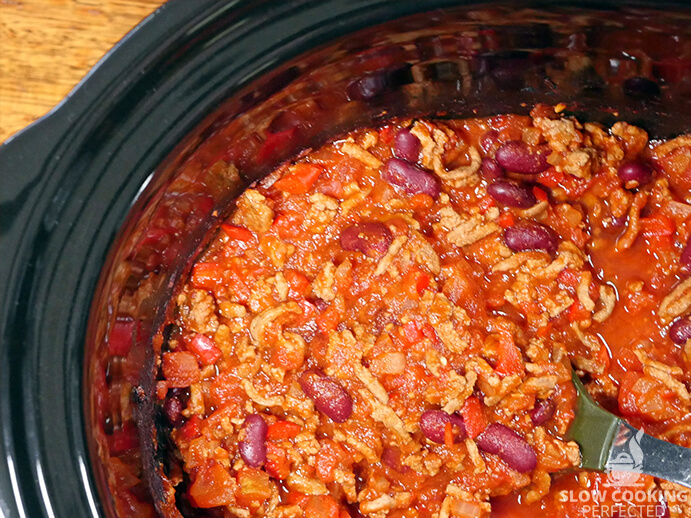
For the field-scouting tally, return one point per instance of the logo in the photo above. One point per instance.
(626, 468)
(623, 492)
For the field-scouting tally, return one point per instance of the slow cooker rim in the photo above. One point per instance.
(26, 158)
(30, 154)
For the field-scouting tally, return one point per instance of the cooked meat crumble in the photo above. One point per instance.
(387, 326)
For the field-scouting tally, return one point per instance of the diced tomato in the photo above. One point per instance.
(289, 353)
(299, 179)
(121, 336)
(386, 134)
(540, 194)
(282, 430)
(322, 506)
(676, 167)
(208, 276)
(287, 225)
(510, 133)
(509, 361)
(626, 360)
(573, 185)
(544, 331)
(237, 233)
(277, 144)
(603, 357)
(124, 439)
(308, 312)
(122, 473)
(422, 283)
(226, 390)
(645, 397)
(255, 486)
(640, 301)
(299, 284)
(551, 178)
(506, 219)
(569, 277)
(212, 487)
(180, 369)
(577, 312)
(410, 333)
(429, 332)
(191, 428)
(473, 418)
(415, 282)
(161, 389)
(486, 203)
(331, 187)
(204, 349)
(329, 457)
(299, 499)
(422, 201)
(277, 464)
(329, 319)
(201, 205)
(659, 229)
(658, 224)
(236, 284)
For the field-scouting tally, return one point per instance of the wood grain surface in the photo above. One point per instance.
(47, 46)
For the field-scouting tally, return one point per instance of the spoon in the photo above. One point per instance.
(607, 442)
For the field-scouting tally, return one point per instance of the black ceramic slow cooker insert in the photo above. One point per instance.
(105, 202)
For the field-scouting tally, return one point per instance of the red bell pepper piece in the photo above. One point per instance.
(204, 349)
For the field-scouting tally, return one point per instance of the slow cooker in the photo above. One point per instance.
(106, 200)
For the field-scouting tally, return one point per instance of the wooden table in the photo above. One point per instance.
(47, 46)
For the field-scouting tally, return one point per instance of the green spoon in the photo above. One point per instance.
(609, 443)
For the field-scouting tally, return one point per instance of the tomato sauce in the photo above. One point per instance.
(387, 325)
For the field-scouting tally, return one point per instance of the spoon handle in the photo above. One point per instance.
(609, 443)
(637, 452)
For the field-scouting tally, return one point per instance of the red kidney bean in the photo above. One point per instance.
(457, 422)
(391, 457)
(509, 446)
(530, 236)
(367, 87)
(685, 259)
(512, 194)
(407, 146)
(172, 408)
(433, 425)
(641, 88)
(517, 157)
(253, 446)
(181, 394)
(638, 172)
(490, 170)
(489, 140)
(680, 330)
(410, 178)
(328, 396)
(542, 412)
(372, 238)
